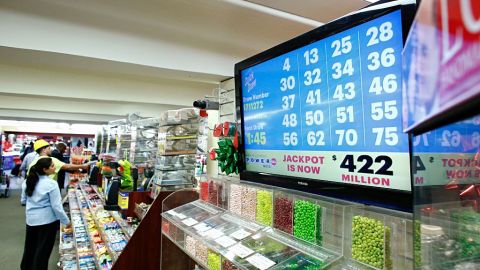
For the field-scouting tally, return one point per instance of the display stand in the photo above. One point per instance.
(144, 244)
(253, 226)
(172, 256)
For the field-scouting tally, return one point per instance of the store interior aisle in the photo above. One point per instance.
(12, 234)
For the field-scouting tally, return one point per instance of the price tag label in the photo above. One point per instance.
(181, 216)
(260, 262)
(204, 233)
(201, 227)
(240, 234)
(189, 222)
(214, 233)
(172, 213)
(225, 241)
(241, 250)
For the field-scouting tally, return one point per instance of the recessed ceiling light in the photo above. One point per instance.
(372, 1)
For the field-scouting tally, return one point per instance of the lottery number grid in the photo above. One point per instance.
(342, 93)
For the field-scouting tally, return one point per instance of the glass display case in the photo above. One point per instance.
(124, 135)
(315, 232)
(179, 134)
(447, 194)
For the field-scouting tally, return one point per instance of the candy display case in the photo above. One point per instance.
(250, 241)
(448, 236)
(380, 238)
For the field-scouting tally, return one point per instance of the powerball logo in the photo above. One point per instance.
(264, 162)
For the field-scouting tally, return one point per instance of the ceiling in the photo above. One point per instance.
(92, 61)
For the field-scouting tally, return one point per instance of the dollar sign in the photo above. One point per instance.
(334, 157)
(431, 159)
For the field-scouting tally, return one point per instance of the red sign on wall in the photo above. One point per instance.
(442, 58)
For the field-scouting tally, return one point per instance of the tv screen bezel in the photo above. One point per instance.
(389, 198)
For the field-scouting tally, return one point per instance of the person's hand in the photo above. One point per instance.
(68, 226)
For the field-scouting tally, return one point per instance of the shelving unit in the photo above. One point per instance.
(104, 221)
(98, 246)
(144, 145)
(84, 252)
(178, 143)
(124, 134)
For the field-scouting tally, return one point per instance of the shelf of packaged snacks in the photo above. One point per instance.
(126, 228)
(333, 231)
(94, 231)
(101, 218)
(67, 249)
(84, 254)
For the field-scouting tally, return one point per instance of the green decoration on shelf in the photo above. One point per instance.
(227, 156)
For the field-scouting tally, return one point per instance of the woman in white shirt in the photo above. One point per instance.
(44, 211)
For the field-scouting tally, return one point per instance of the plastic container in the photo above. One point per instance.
(214, 260)
(264, 209)
(201, 253)
(213, 188)
(204, 191)
(307, 220)
(381, 238)
(235, 199)
(301, 262)
(228, 265)
(267, 250)
(249, 202)
(283, 212)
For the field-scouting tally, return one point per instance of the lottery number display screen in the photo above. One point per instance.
(331, 110)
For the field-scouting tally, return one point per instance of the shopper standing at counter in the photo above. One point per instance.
(44, 150)
(61, 147)
(44, 211)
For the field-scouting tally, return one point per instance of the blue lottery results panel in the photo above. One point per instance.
(339, 94)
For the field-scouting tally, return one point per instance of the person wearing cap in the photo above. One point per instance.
(44, 150)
